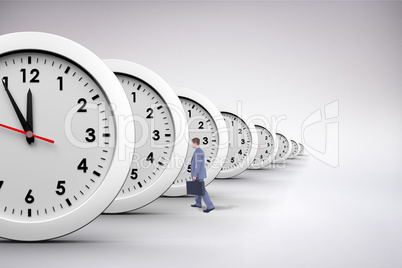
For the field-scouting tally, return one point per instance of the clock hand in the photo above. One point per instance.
(24, 123)
(29, 115)
(28, 133)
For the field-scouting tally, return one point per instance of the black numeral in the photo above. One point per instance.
(150, 112)
(91, 135)
(151, 157)
(240, 152)
(134, 173)
(84, 102)
(201, 125)
(242, 141)
(232, 159)
(240, 131)
(60, 78)
(156, 135)
(205, 141)
(189, 168)
(134, 96)
(60, 188)
(189, 113)
(29, 198)
(34, 72)
(83, 165)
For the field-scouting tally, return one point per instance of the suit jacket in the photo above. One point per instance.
(198, 165)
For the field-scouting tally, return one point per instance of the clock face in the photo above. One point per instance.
(201, 125)
(43, 180)
(154, 132)
(58, 138)
(241, 149)
(159, 152)
(301, 151)
(283, 148)
(266, 145)
(205, 122)
(295, 149)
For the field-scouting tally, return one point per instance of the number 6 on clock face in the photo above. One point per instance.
(161, 136)
(58, 136)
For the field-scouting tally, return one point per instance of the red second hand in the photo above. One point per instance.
(25, 133)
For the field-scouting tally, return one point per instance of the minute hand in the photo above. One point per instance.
(23, 122)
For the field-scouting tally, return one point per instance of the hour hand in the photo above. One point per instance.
(17, 110)
(29, 115)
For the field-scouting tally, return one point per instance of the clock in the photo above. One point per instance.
(206, 123)
(243, 144)
(161, 136)
(60, 136)
(295, 149)
(301, 150)
(284, 148)
(266, 148)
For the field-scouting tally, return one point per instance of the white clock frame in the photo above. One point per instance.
(271, 157)
(283, 159)
(301, 149)
(298, 149)
(112, 183)
(170, 173)
(224, 174)
(218, 162)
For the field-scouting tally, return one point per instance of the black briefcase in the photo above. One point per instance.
(195, 187)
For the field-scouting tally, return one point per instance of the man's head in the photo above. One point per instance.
(196, 142)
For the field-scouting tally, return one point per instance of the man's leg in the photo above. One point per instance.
(198, 200)
(207, 200)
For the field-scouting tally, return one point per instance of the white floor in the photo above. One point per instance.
(286, 216)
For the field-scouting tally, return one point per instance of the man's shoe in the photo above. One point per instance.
(208, 210)
(194, 206)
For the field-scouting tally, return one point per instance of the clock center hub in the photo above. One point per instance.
(29, 134)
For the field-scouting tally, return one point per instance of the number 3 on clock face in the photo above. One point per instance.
(58, 136)
(161, 135)
(243, 144)
(206, 123)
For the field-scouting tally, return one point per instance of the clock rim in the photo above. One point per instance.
(217, 116)
(283, 159)
(300, 146)
(225, 174)
(298, 149)
(166, 179)
(271, 157)
(93, 206)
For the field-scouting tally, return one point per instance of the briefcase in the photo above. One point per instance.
(195, 187)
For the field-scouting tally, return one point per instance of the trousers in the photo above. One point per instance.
(206, 198)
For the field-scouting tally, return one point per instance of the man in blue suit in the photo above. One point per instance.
(199, 173)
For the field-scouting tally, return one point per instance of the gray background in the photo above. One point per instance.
(278, 58)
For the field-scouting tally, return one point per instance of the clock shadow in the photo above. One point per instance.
(133, 213)
(53, 241)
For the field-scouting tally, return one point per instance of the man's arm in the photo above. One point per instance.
(197, 164)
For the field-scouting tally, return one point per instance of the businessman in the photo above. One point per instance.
(199, 173)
